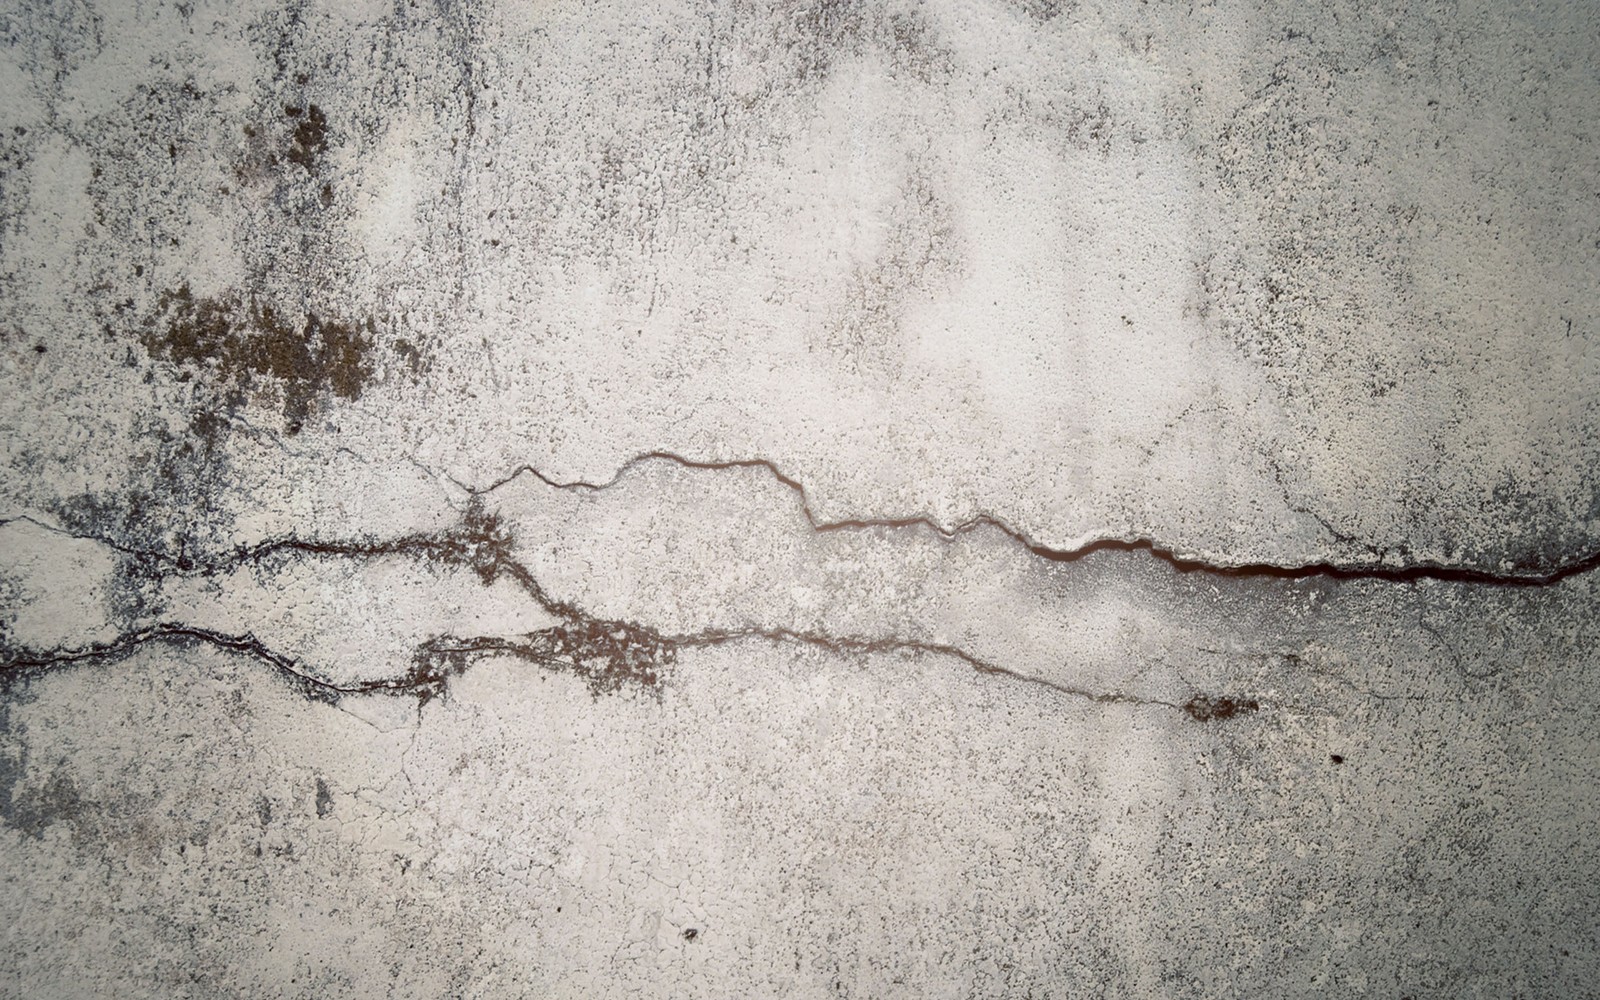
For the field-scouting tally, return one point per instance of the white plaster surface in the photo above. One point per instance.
(868, 499)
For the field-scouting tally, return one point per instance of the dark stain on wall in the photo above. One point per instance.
(32, 810)
(247, 346)
(1045, 10)
(812, 36)
(310, 137)
(608, 654)
(1202, 708)
(164, 506)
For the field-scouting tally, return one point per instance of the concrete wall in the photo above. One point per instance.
(970, 498)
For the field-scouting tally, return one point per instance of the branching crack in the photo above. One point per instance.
(612, 655)
(608, 655)
(481, 542)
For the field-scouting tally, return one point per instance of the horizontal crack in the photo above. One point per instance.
(18, 663)
(857, 646)
(480, 542)
(608, 654)
(1379, 571)
(635, 656)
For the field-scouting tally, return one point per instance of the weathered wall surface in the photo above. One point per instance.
(799, 498)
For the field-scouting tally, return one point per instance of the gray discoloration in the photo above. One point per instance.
(30, 811)
(1045, 10)
(798, 498)
(921, 252)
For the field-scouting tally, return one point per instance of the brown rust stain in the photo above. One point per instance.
(1202, 708)
(310, 138)
(247, 345)
(608, 655)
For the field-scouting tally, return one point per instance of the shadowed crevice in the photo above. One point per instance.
(610, 656)
(1376, 569)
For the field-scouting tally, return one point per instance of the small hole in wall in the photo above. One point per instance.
(1337, 758)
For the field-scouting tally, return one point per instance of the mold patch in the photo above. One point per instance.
(1202, 708)
(247, 347)
(32, 810)
(310, 137)
(609, 655)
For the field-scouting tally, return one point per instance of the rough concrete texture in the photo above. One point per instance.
(799, 497)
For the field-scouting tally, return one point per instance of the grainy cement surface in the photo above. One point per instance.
(952, 499)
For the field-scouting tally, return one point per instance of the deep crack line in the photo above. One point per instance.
(1374, 571)
(1377, 571)
(627, 652)
(19, 663)
(480, 543)
(445, 657)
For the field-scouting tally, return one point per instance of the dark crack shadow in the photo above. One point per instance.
(611, 655)
(1375, 569)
